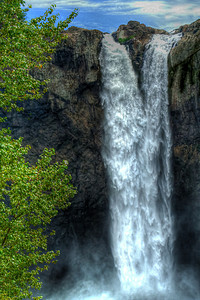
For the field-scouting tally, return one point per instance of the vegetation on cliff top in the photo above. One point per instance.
(122, 41)
(30, 196)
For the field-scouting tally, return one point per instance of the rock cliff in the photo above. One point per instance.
(184, 90)
(135, 36)
(69, 119)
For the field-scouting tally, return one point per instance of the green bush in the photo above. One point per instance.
(122, 41)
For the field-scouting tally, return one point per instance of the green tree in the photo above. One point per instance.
(25, 46)
(22, 15)
(30, 195)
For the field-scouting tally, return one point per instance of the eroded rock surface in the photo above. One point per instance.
(184, 89)
(135, 36)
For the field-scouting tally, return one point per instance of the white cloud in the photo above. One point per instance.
(150, 8)
(63, 4)
(78, 3)
(160, 8)
(39, 4)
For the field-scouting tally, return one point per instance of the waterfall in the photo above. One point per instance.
(136, 153)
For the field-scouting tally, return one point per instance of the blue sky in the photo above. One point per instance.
(107, 15)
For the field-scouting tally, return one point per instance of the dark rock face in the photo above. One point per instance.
(135, 36)
(184, 89)
(69, 119)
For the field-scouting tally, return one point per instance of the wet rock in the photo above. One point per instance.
(135, 36)
(184, 90)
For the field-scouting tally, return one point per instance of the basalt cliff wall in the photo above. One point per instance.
(184, 92)
(69, 118)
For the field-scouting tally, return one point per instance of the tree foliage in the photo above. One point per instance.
(25, 46)
(30, 195)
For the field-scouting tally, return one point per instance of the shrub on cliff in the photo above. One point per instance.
(30, 196)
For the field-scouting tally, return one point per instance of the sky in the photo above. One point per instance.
(108, 15)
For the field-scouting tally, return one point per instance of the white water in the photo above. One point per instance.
(136, 154)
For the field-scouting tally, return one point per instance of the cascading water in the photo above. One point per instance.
(136, 154)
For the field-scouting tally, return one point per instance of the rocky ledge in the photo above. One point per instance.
(135, 36)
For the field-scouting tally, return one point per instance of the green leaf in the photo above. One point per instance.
(30, 195)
